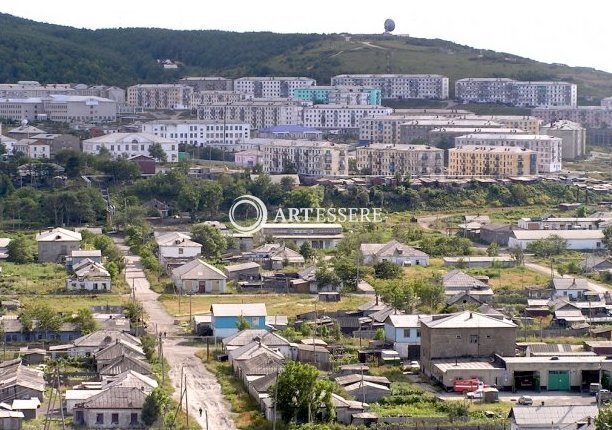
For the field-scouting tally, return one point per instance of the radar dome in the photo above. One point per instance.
(389, 25)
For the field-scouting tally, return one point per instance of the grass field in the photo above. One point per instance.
(67, 303)
(35, 279)
(276, 304)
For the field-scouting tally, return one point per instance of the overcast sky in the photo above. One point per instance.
(576, 33)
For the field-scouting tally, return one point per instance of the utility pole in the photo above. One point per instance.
(186, 402)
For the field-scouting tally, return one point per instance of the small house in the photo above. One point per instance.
(368, 392)
(89, 276)
(570, 288)
(198, 276)
(123, 364)
(56, 244)
(20, 382)
(109, 354)
(77, 257)
(243, 272)
(246, 337)
(29, 407)
(394, 252)
(590, 264)
(545, 417)
(177, 246)
(10, 420)
(316, 355)
(4, 243)
(226, 317)
(404, 331)
(116, 407)
(457, 281)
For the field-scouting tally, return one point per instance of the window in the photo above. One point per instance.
(473, 338)
(99, 418)
(458, 336)
(115, 419)
(406, 332)
(134, 419)
(418, 332)
(180, 250)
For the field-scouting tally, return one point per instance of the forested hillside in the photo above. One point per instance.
(50, 53)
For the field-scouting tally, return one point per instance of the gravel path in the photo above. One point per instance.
(203, 390)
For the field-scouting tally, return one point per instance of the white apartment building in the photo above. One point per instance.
(271, 87)
(33, 148)
(530, 124)
(126, 145)
(257, 113)
(399, 86)
(387, 160)
(200, 133)
(26, 89)
(159, 96)
(59, 107)
(547, 148)
(209, 97)
(517, 93)
(606, 102)
(341, 117)
(417, 129)
(572, 134)
(587, 116)
(305, 157)
(208, 83)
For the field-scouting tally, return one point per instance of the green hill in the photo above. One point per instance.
(50, 53)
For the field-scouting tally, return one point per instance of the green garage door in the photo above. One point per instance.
(558, 380)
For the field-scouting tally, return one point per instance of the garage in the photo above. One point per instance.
(558, 380)
(589, 377)
(526, 380)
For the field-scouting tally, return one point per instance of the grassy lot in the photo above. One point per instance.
(32, 278)
(277, 304)
(71, 303)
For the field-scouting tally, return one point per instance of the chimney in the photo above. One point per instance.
(471, 315)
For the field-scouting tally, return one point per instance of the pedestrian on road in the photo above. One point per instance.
(164, 335)
(200, 412)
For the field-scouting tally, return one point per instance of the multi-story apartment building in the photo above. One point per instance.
(208, 83)
(159, 96)
(305, 157)
(497, 161)
(399, 86)
(548, 148)
(387, 160)
(33, 148)
(418, 129)
(26, 89)
(127, 145)
(271, 87)
(339, 95)
(341, 117)
(530, 124)
(572, 134)
(517, 93)
(210, 97)
(447, 135)
(200, 133)
(606, 102)
(257, 113)
(587, 116)
(59, 107)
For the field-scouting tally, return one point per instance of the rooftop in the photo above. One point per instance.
(239, 309)
(468, 319)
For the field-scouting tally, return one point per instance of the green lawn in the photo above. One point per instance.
(32, 279)
(69, 303)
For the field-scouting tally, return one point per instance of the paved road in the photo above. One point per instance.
(203, 390)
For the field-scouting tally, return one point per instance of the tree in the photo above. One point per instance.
(387, 270)
(326, 277)
(493, 250)
(348, 272)
(517, 254)
(582, 212)
(20, 250)
(307, 251)
(212, 241)
(607, 240)
(287, 183)
(242, 323)
(299, 392)
(604, 419)
(429, 293)
(554, 245)
(153, 405)
(380, 334)
(400, 295)
(40, 316)
(85, 321)
(157, 151)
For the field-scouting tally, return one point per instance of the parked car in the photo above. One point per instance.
(525, 400)
(594, 388)
(478, 394)
(604, 396)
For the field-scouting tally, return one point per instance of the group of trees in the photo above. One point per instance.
(549, 247)
(114, 261)
(42, 317)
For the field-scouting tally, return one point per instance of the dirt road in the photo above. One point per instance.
(203, 390)
(594, 286)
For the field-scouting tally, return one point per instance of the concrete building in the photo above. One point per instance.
(128, 145)
(404, 331)
(71, 109)
(547, 148)
(516, 93)
(33, 148)
(271, 87)
(393, 251)
(226, 316)
(115, 407)
(343, 95)
(545, 417)
(26, 89)
(249, 158)
(465, 334)
(209, 97)
(159, 96)
(176, 246)
(257, 113)
(446, 135)
(290, 132)
(587, 116)
(399, 86)
(305, 157)
(200, 133)
(389, 160)
(563, 223)
(198, 276)
(55, 244)
(208, 83)
(89, 276)
(583, 240)
(572, 134)
(418, 129)
(530, 124)
(471, 160)
(341, 117)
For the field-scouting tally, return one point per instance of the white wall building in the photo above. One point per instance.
(387, 160)
(587, 116)
(60, 107)
(200, 133)
(548, 148)
(159, 96)
(517, 93)
(341, 117)
(258, 113)
(571, 133)
(271, 87)
(33, 148)
(584, 240)
(399, 86)
(128, 145)
(176, 245)
(306, 157)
